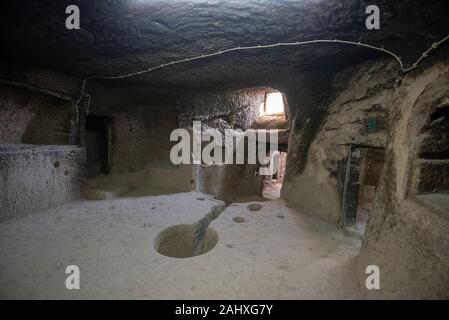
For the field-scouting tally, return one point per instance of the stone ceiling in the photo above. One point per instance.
(122, 36)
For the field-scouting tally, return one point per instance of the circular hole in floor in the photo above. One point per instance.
(178, 241)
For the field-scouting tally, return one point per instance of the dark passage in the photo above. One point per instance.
(360, 174)
(97, 138)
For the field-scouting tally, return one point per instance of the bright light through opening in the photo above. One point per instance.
(273, 103)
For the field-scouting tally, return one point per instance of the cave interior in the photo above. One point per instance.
(362, 152)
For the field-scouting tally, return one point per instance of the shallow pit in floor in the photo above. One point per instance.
(185, 241)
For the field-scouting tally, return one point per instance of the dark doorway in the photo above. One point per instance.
(97, 142)
(371, 168)
(360, 176)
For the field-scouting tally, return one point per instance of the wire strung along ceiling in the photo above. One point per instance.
(403, 68)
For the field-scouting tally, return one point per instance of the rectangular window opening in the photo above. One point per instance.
(273, 104)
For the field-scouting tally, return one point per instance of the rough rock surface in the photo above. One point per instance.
(404, 237)
(364, 94)
(35, 178)
(414, 235)
(35, 118)
(119, 36)
(232, 109)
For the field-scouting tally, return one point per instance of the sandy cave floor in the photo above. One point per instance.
(276, 253)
